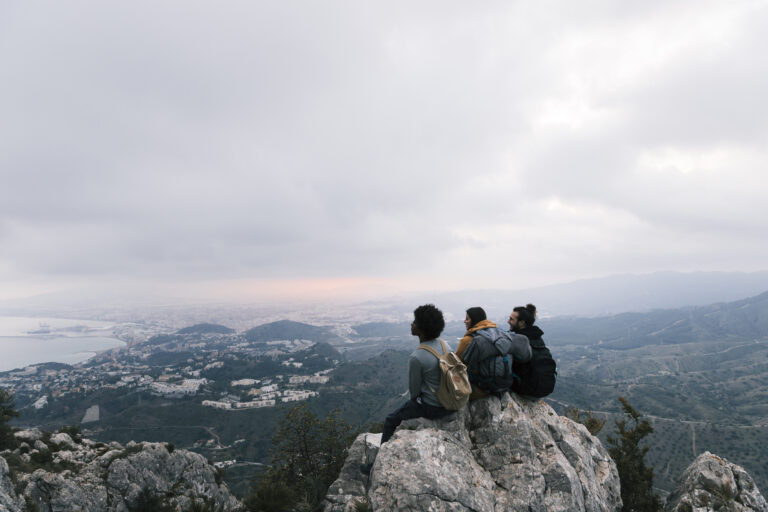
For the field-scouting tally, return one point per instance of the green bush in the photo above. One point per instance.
(307, 456)
(73, 431)
(270, 495)
(635, 477)
(7, 413)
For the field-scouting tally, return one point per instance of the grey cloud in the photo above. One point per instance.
(285, 140)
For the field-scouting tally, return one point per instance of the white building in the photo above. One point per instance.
(217, 404)
(254, 404)
(244, 382)
(187, 387)
(314, 379)
(297, 396)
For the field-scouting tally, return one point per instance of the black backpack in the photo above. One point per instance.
(537, 377)
(489, 361)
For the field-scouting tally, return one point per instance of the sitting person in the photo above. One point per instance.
(489, 341)
(538, 376)
(423, 372)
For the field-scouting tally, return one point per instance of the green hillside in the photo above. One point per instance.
(701, 374)
(206, 329)
(290, 330)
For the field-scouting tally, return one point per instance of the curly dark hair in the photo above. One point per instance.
(429, 320)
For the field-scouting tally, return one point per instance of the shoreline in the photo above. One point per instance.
(19, 351)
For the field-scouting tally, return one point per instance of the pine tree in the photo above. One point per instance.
(307, 456)
(7, 413)
(594, 425)
(636, 478)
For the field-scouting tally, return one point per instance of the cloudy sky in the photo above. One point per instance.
(239, 150)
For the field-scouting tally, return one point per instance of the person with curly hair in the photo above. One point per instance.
(423, 372)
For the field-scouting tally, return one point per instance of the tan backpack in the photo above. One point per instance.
(455, 388)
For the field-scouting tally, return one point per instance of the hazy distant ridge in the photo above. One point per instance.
(742, 319)
(614, 294)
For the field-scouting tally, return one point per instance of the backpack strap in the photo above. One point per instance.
(430, 350)
(433, 351)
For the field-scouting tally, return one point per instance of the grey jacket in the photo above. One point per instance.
(424, 373)
(505, 341)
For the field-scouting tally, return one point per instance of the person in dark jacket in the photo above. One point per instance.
(423, 373)
(521, 321)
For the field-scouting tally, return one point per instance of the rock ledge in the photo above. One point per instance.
(497, 454)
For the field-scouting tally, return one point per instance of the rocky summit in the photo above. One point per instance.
(712, 483)
(497, 454)
(54, 472)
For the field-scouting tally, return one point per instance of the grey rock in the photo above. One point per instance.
(63, 440)
(712, 483)
(29, 435)
(66, 456)
(497, 454)
(8, 500)
(103, 478)
(41, 446)
(66, 491)
(354, 477)
(187, 474)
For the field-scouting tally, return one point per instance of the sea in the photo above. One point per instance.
(25, 340)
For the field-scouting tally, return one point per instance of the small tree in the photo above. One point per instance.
(636, 478)
(7, 413)
(594, 425)
(269, 495)
(307, 456)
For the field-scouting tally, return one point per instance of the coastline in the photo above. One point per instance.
(19, 352)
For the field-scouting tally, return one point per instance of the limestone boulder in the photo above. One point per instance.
(712, 483)
(497, 454)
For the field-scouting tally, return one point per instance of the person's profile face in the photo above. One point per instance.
(467, 321)
(513, 320)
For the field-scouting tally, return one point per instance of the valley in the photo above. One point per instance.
(699, 374)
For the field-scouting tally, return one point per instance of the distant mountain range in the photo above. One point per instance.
(744, 319)
(587, 297)
(610, 295)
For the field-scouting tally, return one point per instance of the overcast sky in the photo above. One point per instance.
(235, 150)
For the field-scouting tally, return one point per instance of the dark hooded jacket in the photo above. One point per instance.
(523, 368)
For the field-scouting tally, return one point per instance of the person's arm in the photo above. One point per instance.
(414, 377)
(463, 344)
(521, 347)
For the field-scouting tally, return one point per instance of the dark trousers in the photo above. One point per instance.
(409, 410)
